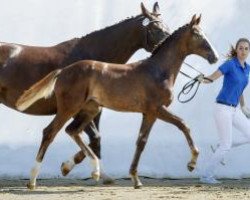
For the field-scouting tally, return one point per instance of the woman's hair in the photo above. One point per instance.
(232, 52)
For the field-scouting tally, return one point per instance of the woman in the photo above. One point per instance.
(227, 112)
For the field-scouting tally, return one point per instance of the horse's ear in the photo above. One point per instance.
(193, 20)
(198, 20)
(145, 12)
(156, 9)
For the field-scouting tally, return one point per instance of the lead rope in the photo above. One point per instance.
(190, 84)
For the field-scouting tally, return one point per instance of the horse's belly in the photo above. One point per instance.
(41, 107)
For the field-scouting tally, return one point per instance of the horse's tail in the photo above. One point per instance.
(42, 89)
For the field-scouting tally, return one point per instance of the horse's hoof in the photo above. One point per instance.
(64, 169)
(191, 166)
(30, 186)
(108, 181)
(95, 176)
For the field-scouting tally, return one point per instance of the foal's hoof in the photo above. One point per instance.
(95, 176)
(65, 169)
(191, 166)
(138, 186)
(30, 186)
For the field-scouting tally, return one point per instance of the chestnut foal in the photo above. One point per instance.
(88, 85)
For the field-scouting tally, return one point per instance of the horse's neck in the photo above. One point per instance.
(169, 59)
(114, 44)
(66, 47)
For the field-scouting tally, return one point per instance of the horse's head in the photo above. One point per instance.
(153, 27)
(198, 43)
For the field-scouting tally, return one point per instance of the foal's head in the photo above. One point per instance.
(197, 42)
(153, 28)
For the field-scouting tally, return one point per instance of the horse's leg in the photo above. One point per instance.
(167, 116)
(147, 123)
(49, 134)
(92, 130)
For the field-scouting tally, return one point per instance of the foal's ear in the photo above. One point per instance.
(156, 9)
(145, 12)
(195, 21)
(198, 20)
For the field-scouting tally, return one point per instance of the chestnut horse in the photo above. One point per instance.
(89, 85)
(22, 66)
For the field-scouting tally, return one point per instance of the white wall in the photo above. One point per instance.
(48, 22)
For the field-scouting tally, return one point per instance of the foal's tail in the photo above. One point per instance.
(42, 89)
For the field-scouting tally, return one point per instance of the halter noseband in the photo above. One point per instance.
(146, 22)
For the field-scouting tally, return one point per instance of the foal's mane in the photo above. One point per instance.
(176, 34)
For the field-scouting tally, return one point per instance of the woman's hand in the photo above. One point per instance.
(200, 78)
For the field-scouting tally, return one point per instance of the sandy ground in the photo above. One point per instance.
(71, 189)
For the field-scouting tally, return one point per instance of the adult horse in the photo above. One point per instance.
(22, 66)
(88, 85)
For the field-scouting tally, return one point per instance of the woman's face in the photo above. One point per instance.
(242, 50)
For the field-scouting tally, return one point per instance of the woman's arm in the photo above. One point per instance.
(214, 76)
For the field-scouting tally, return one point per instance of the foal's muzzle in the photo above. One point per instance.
(212, 58)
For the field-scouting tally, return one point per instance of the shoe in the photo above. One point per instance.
(222, 162)
(209, 180)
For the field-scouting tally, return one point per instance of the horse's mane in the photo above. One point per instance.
(101, 30)
(169, 39)
(128, 19)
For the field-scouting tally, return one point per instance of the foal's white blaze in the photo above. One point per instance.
(34, 173)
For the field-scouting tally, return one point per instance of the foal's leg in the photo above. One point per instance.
(167, 116)
(49, 134)
(94, 138)
(147, 123)
(95, 145)
(74, 131)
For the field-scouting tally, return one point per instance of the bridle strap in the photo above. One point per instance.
(148, 31)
